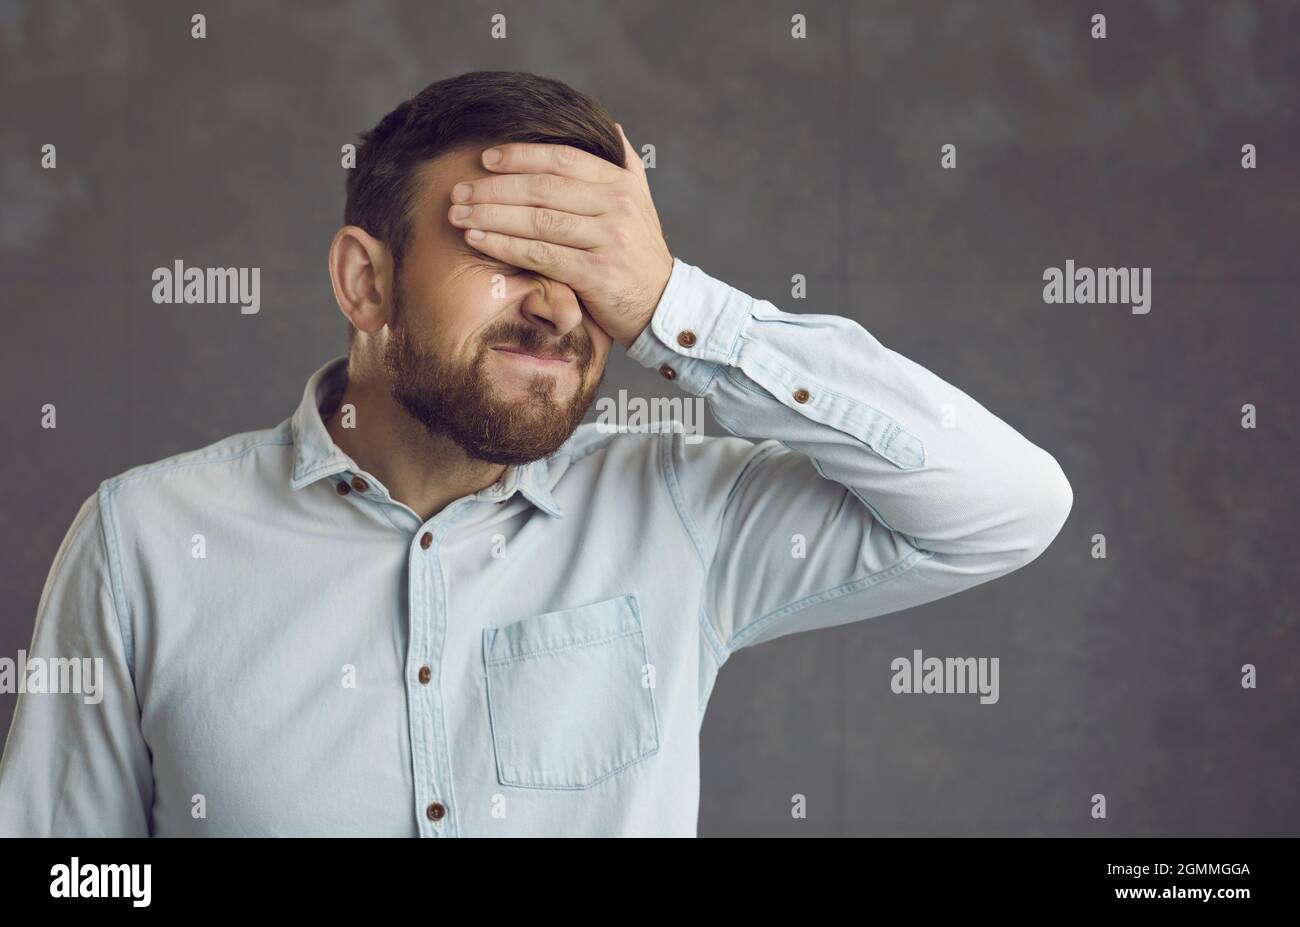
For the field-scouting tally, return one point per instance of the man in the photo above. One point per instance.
(430, 602)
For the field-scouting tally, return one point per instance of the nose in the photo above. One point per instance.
(552, 306)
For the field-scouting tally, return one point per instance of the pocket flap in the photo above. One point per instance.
(558, 630)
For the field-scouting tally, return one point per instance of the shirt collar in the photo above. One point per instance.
(316, 456)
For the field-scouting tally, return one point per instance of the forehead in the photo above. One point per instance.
(433, 181)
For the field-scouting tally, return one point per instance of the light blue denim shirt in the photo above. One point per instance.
(288, 650)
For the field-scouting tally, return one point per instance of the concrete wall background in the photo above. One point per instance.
(775, 157)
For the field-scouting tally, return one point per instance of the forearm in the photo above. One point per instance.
(924, 457)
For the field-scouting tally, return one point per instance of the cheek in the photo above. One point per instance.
(458, 313)
(601, 342)
(599, 358)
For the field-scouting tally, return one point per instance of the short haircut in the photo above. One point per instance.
(478, 107)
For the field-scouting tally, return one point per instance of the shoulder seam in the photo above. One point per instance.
(182, 460)
(721, 652)
(117, 588)
(669, 473)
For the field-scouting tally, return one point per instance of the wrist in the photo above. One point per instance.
(644, 318)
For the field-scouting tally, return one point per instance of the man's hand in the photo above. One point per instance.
(565, 214)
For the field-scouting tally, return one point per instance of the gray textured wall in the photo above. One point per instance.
(775, 157)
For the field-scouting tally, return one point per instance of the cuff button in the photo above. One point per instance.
(686, 339)
(667, 372)
(801, 395)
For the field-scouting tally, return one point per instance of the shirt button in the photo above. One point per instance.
(667, 372)
(686, 339)
(801, 395)
(343, 488)
(359, 484)
(425, 675)
(436, 811)
(425, 540)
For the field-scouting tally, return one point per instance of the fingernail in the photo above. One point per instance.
(492, 156)
(475, 234)
(460, 212)
(461, 191)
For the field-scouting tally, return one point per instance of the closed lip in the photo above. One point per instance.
(536, 355)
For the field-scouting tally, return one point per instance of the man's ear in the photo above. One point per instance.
(361, 271)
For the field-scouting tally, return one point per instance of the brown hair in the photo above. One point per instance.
(478, 107)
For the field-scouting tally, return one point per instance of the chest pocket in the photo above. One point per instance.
(566, 697)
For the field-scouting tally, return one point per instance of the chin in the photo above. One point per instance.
(533, 393)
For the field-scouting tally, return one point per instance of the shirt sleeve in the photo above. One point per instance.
(75, 763)
(854, 481)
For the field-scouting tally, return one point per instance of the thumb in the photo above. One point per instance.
(633, 157)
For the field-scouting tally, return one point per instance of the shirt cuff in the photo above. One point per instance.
(695, 330)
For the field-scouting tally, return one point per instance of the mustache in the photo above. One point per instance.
(575, 345)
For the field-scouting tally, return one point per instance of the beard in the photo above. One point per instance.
(461, 402)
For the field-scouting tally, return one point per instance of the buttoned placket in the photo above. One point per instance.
(427, 598)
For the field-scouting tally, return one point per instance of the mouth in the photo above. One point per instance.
(534, 357)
